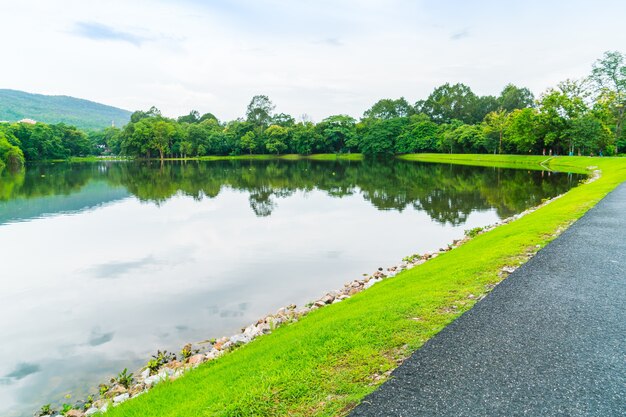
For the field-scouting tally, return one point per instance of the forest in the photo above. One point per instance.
(577, 117)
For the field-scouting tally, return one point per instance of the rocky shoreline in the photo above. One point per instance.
(168, 366)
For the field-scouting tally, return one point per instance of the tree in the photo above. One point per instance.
(139, 115)
(389, 109)
(495, 123)
(449, 102)
(609, 75)
(162, 134)
(522, 132)
(557, 110)
(192, 117)
(419, 136)
(259, 111)
(588, 134)
(337, 133)
(304, 138)
(283, 120)
(10, 154)
(248, 142)
(276, 139)
(512, 98)
(380, 135)
(208, 116)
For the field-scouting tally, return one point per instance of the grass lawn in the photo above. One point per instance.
(325, 363)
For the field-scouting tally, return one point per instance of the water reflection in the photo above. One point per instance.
(448, 193)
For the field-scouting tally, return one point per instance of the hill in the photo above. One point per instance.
(84, 114)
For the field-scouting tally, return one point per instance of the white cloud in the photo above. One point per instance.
(315, 57)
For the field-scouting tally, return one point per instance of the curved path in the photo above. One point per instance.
(550, 340)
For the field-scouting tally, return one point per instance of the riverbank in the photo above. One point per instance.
(334, 356)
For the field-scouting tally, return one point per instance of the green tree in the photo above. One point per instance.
(10, 154)
(512, 98)
(609, 75)
(522, 131)
(496, 123)
(192, 117)
(449, 102)
(337, 134)
(161, 137)
(248, 141)
(259, 111)
(389, 109)
(276, 139)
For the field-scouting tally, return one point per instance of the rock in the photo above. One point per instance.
(319, 303)
(252, 331)
(196, 359)
(145, 373)
(104, 408)
(99, 403)
(74, 413)
(509, 269)
(240, 339)
(353, 291)
(116, 390)
(121, 398)
(155, 379)
(213, 354)
(371, 282)
(137, 389)
(327, 299)
(172, 366)
(91, 411)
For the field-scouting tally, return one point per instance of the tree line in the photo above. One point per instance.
(577, 117)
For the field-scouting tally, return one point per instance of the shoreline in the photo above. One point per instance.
(449, 309)
(211, 349)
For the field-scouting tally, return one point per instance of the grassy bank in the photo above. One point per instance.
(324, 364)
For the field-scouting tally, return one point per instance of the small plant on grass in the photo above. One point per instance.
(124, 378)
(473, 232)
(46, 410)
(66, 408)
(88, 402)
(158, 360)
(187, 351)
(104, 388)
(412, 258)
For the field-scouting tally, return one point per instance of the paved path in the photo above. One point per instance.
(550, 340)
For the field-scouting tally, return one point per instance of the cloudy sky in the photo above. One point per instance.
(318, 57)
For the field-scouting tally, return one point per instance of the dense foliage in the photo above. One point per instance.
(576, 117)
(34, 142)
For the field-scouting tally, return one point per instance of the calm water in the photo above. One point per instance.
(102, 264)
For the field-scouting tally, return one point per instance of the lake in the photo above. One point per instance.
(103, 263)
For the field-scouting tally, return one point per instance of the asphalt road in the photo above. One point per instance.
(550, 340)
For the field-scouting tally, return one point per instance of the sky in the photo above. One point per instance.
(317, 58)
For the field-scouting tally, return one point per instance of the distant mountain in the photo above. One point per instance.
(84, 114)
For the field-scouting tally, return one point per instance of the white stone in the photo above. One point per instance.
(240, 338)
(121, 398)
(155, 379)
(371, 282)
(145, 373)
(91, 411)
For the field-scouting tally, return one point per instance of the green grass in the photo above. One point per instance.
(324, 364)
